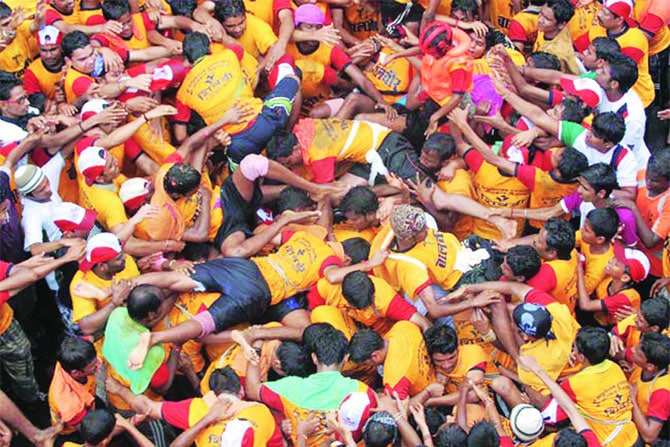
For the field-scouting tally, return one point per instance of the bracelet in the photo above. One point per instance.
(81, 127)
(304, 436)
(144, 115)
(398, 416)
(170, 264)
(489, 336)
(525, 213)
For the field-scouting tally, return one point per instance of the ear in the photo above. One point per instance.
(654, 328)
(625, 278)
(314, 359)
(551, 254)
(600, 239)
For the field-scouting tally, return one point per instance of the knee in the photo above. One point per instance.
(502, 385)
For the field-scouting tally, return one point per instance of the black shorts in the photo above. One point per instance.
(238, 214)
(399, 157)
(244, 292)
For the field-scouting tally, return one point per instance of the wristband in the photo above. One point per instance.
(144, 115)
(81, 127)
(157, 265)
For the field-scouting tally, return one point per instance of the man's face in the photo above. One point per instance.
(7, 31)
(462, 16)
(43, 191)
(309, 45)
(51, 56)
(359, 222)
(111, 169)
(588, 235)
(477, 46)
(126, 22)
(590, 58)
(638, 357)
(17, 105)
(546, 21)
(64, 6)
(430, 160)
(596, 142)
(117, 264)
(235, 26)
(446, 362)
(293, 160)
(540, 244)
(615, 268)
(83, 59)
(585, 190)
(603, 76)
(656, 184)
(4, 211)
(607, 19)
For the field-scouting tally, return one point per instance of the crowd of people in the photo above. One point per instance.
(334, 222)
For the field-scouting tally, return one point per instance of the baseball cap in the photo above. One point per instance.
(27, 178)
(622, 8)
(238, 433)
(309, 13)
(585, 89)
(534, 320)
(91, 163)
(407, 221)
(637, 262)
(49, 35)
(526, 422)
(92, 107)
(102, 247)
(133, 192)
(354, 412)
(69, 216)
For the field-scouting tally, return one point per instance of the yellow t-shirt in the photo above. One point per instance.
(407, 367)
(16, 57)
(105, 200)
(461, 184)
(428, 262)
(258, 37)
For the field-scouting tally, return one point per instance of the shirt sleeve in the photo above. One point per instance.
(659, 405)
(474, 160)
(81, 85)
(148, 24)
(582, 42)
(516, 33)
(460, 80)
(339, 59)
(571, 203)
(271, 399)
(545, 280)
(569, 132)
(526, 175)
(626, 171)
(30, 83)
(399, 309)
(51, 17)
(323, 170)
(539, 297)
(176, 413)
(614, 302)
(183, 113)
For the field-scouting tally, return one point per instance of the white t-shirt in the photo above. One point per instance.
(37, 217)
(574, 135)
(631, 108)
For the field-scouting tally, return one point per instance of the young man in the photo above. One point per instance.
(597, 245)
(653, 316)
(43, 74)
(18, 51)
(403, 356)
(615, 22)
(600, 390)
(650, 386)
(628, 267)
(553, 35)
(99, 427)
(211, 101)
(296, 397)
(72, 389)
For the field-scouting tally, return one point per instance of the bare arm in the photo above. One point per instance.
(585, 301)
(167, 280)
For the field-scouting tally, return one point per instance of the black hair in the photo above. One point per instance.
(656, 348)
(115, 9)
(609, 126)
(328, 343)
(601, 177)
(524, 261)
(358, 289)
(440, 143)
(225, 380)
(542, 59)
(593, 343)
(623, 69)
(5, 11)
(563, 10)
(574, 111)
(360, 200)
(604, 222)
(467, 6)
(75, 354)
(142, 300)
(451, 436)
(225, 9)
(363, 344)
(294, 199)
(294, 359)
(195, 251)
(195, 46)
(605, 46)
(357, 248)
(73, 41)
(568, 437)
(441, 339)
(379, 434)
(38, 100)
(7, 82)
(656, 311)
(483, 434)
(181, 179)
(571, 164)
(434, 420)
(183, 7)
(281, 145)
(659, 163)
(97, 425)
(560, 237)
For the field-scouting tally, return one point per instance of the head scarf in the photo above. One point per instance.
(407, 221)
(534, 320)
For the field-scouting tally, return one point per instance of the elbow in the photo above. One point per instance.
(86, 328)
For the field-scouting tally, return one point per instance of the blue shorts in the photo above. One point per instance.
(277, 108)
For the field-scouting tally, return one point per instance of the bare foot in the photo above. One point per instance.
(139, 354)
(249, 352)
